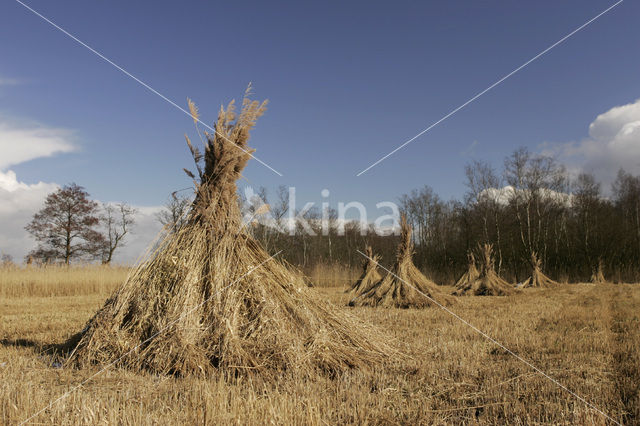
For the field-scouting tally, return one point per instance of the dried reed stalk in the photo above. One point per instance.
(209, 298)
(488, 282)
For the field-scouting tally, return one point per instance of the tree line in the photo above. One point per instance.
(531, 204)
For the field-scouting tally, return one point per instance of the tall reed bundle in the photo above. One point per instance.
(471, 273)
(369, 276)
(210, 299)
(488, 282)
(537, 279)
(597, 277)
(406, 286)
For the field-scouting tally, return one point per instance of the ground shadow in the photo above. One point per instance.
(56, 351)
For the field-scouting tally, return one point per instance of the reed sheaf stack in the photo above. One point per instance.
(405, 286)
(210, 299)
(488, 282)
(471, 274)
(370, 276)
(537, 279)
(597, 277)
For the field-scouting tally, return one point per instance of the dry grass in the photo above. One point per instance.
(52, 280)
(585, 336)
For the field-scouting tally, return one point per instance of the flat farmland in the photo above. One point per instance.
(587, 337)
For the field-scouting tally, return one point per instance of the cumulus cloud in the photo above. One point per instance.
(507, 193)
(23, 143)
(613, 143)
(18, 202)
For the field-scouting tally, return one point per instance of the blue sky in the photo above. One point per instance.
(347, 83)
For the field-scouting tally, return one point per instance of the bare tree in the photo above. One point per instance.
(65, 227)
(421, 207)
(117, 219)
(482, 184)
(174, 213)
(485, 195)
(429, 216)
(280, 207)
(585, 203)
(539, 191)
(626, 193)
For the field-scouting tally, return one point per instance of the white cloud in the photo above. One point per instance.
(613, 143)
(18, 202)
(507, 193)
(23, 143)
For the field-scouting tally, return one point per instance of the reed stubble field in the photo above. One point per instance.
(585, 336)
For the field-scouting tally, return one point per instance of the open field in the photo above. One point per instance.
(585, 336)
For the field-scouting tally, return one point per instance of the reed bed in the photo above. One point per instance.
(332, 275)
(60, 280)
